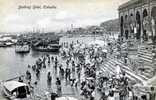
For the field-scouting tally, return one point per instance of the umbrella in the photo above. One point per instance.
(90, 78)
(66, 98)
(104, 50)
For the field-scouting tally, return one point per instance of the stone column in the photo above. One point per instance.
(141, 34)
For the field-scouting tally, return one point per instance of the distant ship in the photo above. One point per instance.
(2, 44)
(6, 44)
(22, 49)
(7, 40)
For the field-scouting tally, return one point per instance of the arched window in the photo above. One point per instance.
(145, 14)
(121, 25)
(126, 27)
(131, 23)
(145, 25)
(126, 21)
(153, 14)
(138, 24)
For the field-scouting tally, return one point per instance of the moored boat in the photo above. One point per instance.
(6, 44)
(22, 49)
(47, 44)
(9, 44)
(2, 44)
(15, 90)
(48, 48)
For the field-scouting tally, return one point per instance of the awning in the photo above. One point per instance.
(11, 85)
(104, 50)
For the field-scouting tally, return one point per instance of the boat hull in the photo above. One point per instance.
(56, 49)
(5, 45)
(22, 49)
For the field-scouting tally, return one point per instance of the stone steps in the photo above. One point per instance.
(147, 74)
(145, 58)
(127, 68)
(111, 66)
(106, 69)
(150, 56)
(148, 53)
(145, 54)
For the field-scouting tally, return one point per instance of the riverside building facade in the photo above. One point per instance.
(138, 30)
(138, 20)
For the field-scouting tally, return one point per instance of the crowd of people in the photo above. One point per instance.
(80, 68)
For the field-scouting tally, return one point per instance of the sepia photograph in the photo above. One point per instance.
(77, 49)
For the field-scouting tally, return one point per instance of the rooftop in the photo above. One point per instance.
(11, 85)
(130, 2)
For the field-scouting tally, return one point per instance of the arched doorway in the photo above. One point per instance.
(126, 27)
(121, 25)
(145, 25)
(138, 25)
(145, 13)
(131, 23)
(153, 21)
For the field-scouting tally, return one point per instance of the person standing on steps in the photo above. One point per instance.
(59, 88)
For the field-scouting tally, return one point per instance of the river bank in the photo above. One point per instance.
(13, 64)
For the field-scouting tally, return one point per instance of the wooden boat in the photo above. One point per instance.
(2, 44)
(47, 45)
(48, 48)
(15, 90)
(22, 49)
(6, 44)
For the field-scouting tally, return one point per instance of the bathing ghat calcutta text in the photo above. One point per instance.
(33, 7)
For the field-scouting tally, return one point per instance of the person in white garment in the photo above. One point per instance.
(118, 71)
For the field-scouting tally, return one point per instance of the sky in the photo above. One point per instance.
(78, 13)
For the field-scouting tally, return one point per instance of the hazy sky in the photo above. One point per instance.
(80, 13)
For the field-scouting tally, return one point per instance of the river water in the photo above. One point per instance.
(13, 64)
